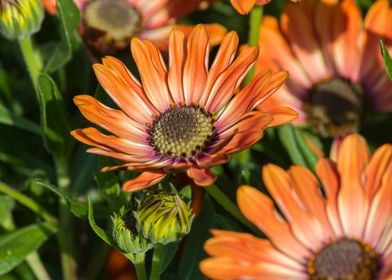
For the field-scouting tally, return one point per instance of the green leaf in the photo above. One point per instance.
(6, 205)
(295, 145)
(169, 251)
(7, 117)
(69, 19)
(387, 59)
(98, 231)
(17, 245)
(54, 118)
(193, 251)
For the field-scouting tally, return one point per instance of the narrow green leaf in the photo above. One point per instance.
(169, 252)
(9, 118)
(98, 231)
(387, 59)
(296, 147)
(69, 20)
(17, 245)
(54, 117)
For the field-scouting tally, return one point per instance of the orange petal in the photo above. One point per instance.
(215, 31)
(223, 58)
(110, 119)
(177, 56)
(299, 30)
(143, 181)
(243, 6)
(196, 63)
(352, 201)
(305, 227)
(307, 188)
(201, 177)
(253, 205)
(152, 72)
(330, 181)
(229, 80)
(376, 168)
(281, 115)
(379, 19)
(381, 207)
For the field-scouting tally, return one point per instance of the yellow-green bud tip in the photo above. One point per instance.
(164, 217)
(20, 18)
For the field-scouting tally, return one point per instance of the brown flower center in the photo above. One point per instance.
(335, 107)
(117, 18)
(344, 259)
(182, 132)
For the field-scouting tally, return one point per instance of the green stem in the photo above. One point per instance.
(28, 202)
(37, 266)
(65, 225)
(138, 261)
(230, 207)
(32, 59)
(156, 262)
(256, 15)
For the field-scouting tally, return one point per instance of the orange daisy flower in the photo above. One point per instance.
(336, 71)
(244, 6)
(185, 118)
(344, 234)
(379, 19)
(108, 25)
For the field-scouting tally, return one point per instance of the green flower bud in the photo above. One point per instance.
(20, 18)
(164, 217)
(127, 238)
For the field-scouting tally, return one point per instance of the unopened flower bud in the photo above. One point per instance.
(126, 236)
(20, 18)
(164, 217)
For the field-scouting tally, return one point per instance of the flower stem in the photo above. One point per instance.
(32, 59)
(230, 207)
(256, 15)
(138, 263)
(37, 266)
(156, 262)
(28, 202)
(65, 239)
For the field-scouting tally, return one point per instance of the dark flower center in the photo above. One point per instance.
(117, 18)
(345, 259)
(335, 107)
(182, 132)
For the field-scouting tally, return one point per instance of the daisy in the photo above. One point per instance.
(108, 25)
(184, 117)
(336, 71)
(342, 232)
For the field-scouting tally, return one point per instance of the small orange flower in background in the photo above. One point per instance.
(344, 234)
(379, 19)
(244, 6)
(108, 25)
(188, 117)
(336, 71)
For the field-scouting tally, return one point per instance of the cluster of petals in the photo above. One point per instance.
(187, 81)
(356, 204)
(158, 18)
(320, 40)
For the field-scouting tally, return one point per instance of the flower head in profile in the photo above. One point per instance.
(244, 6)
(20, 18)
(336, 71)
(185, 117)
(109, 25)
(341, 232)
